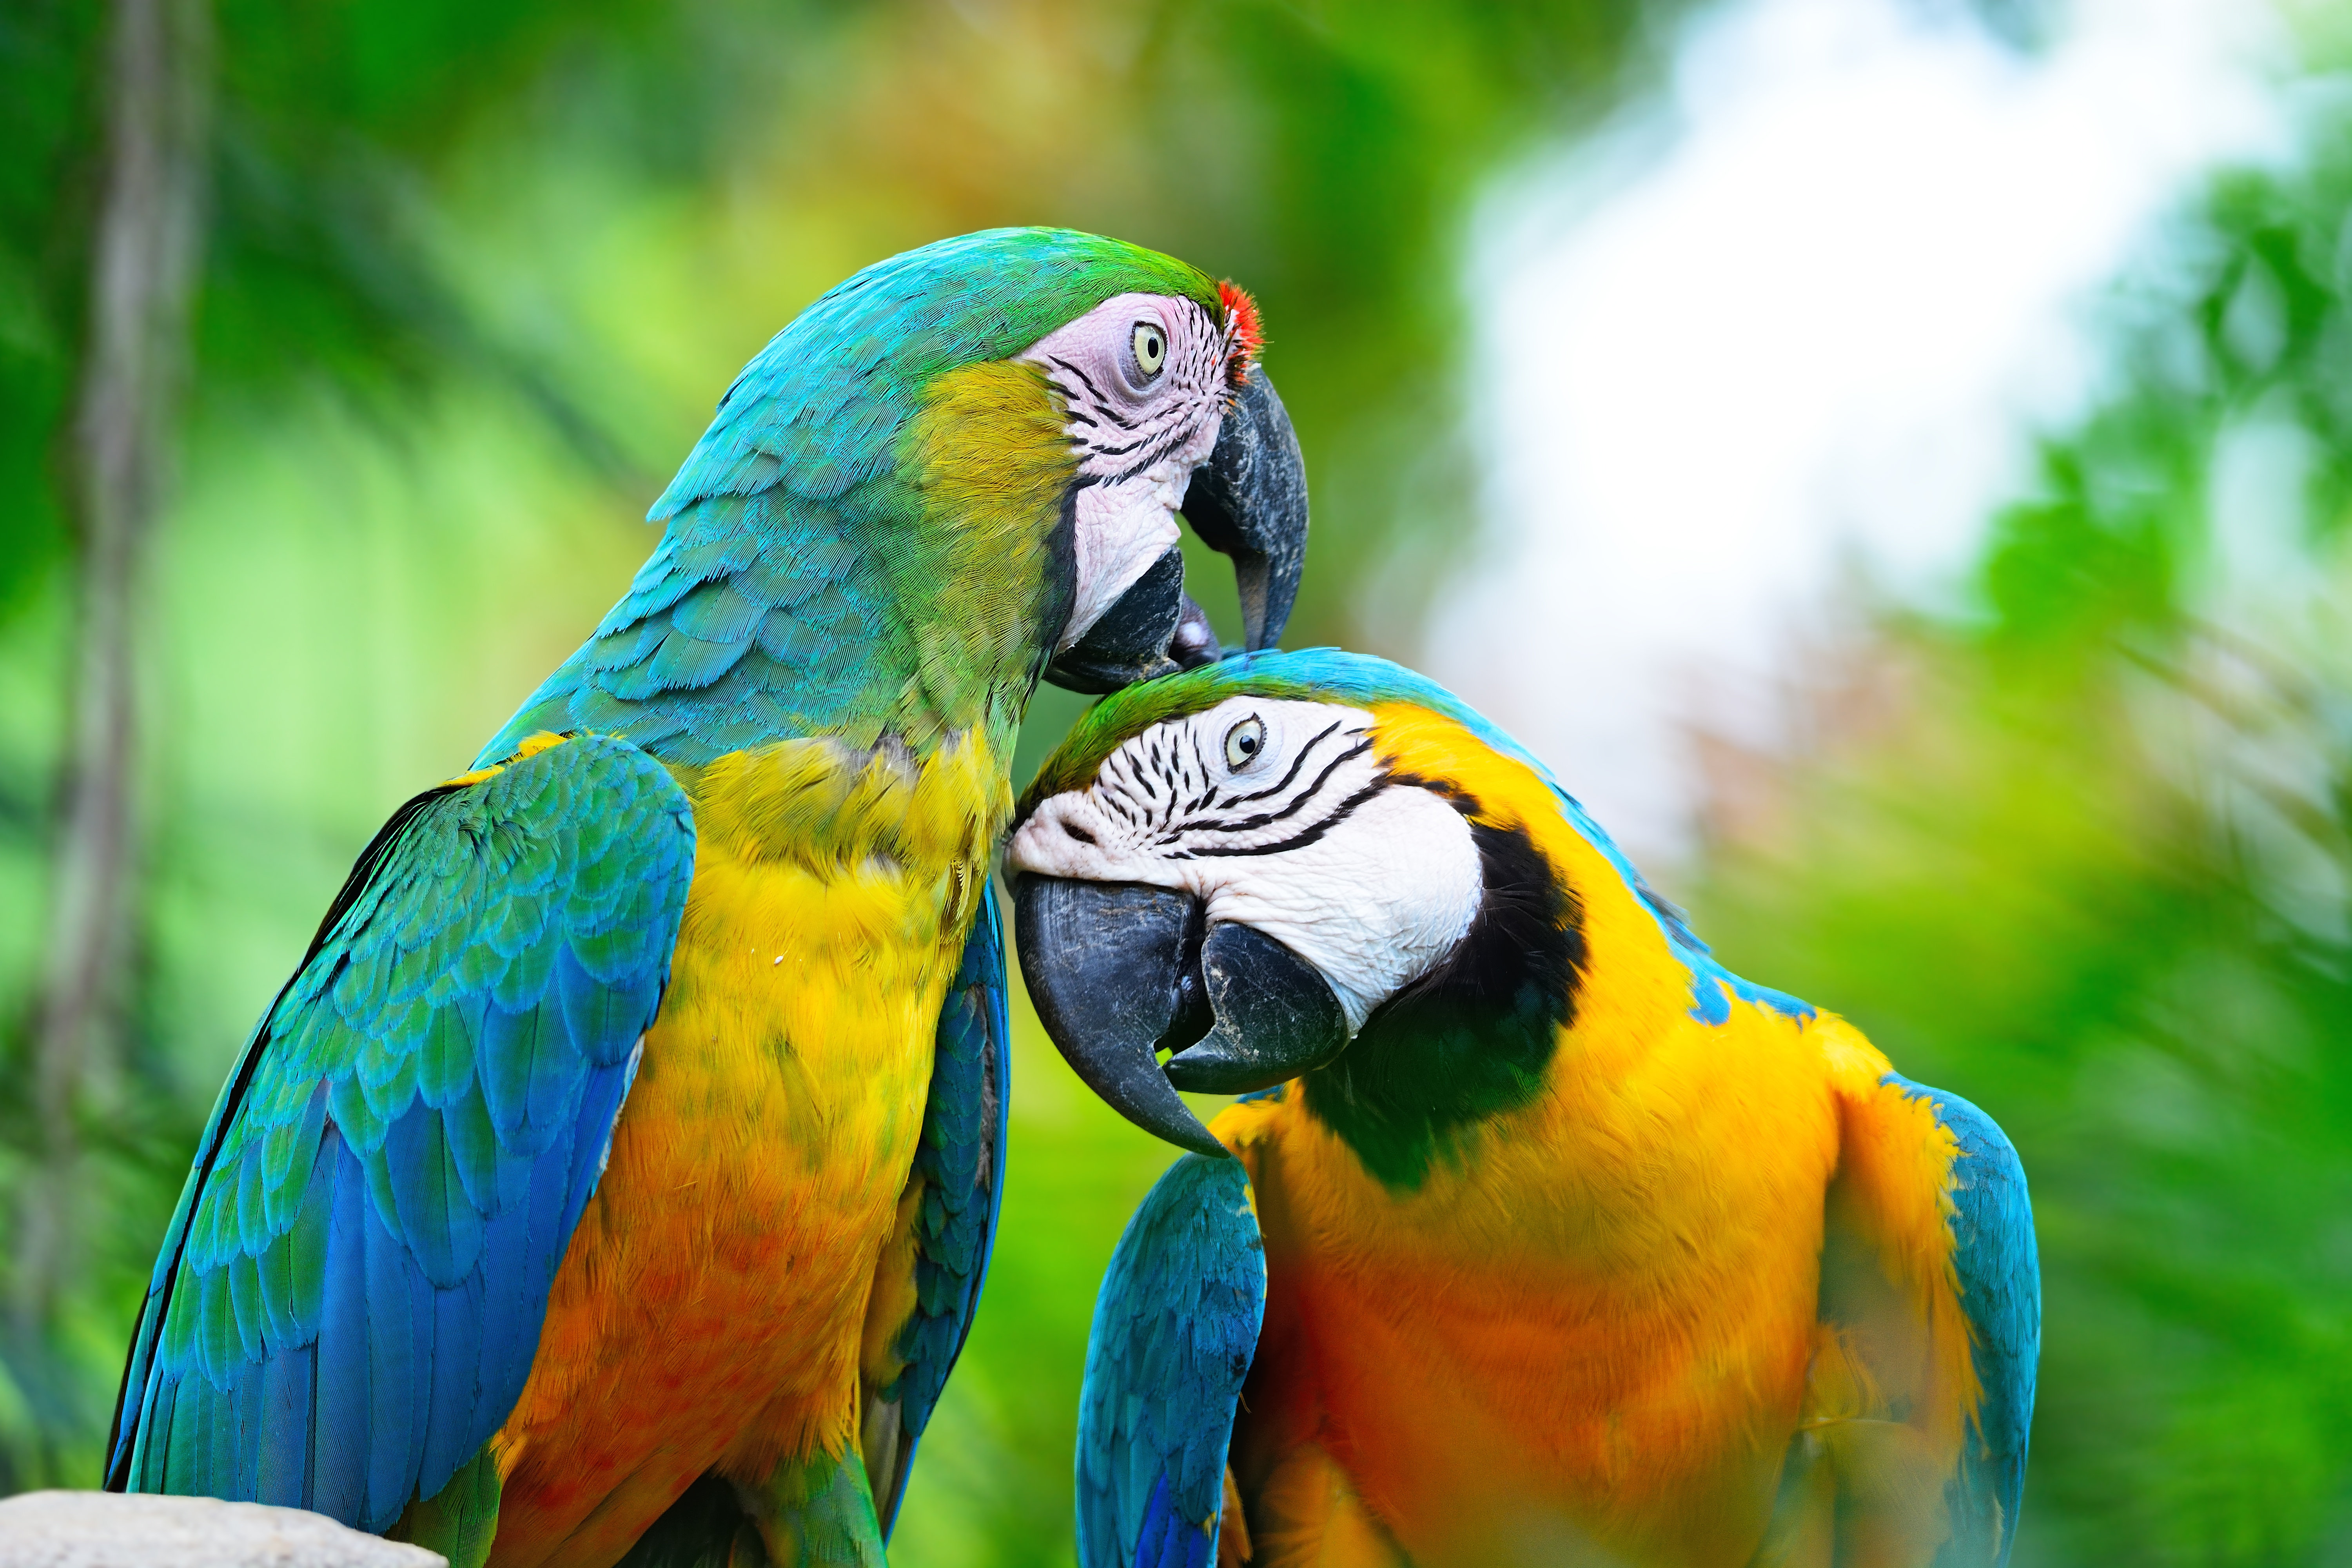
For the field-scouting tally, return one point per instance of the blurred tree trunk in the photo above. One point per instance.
(143, 265)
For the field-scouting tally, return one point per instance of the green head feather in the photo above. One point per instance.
(1359, 680)
(1307, 675)
(863, 543)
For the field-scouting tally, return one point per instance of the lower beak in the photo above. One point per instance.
(1152, 629)
(1120, 972)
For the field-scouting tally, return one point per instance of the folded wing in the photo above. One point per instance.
(1175, 1330)
(960, 1162)
(2001, 1293)
(350, 1296)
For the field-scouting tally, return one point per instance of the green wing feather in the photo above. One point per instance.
(351, 1293)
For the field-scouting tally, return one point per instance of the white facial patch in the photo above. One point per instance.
(1279, 816)
(1144, 379)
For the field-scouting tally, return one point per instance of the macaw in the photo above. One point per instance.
(1543, 1238)
(616, 1172)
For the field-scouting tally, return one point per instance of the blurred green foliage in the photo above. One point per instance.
(2085, 855)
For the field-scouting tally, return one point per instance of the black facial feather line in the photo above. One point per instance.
(1474, 1036)
(1169, 783)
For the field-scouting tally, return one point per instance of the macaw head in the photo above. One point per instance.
(942, 393)
(956, 472)
(1321, 865)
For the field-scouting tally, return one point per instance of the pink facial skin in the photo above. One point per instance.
(1141, 431)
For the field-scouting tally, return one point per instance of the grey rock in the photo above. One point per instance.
(101, 1530)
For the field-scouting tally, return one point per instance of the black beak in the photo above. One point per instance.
(1276, 1017)
(1247, 501)
(1120, 972)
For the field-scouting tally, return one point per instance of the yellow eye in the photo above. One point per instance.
(1243, 742)
(1150, 347)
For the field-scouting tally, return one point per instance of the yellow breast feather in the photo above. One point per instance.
(711, 1309)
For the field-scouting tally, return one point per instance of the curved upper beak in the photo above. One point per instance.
(1248, 502)
(1120, 972)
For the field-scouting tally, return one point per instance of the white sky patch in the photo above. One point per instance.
(1804, 325)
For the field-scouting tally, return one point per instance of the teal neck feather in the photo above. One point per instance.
(761, 619)
(872, 539)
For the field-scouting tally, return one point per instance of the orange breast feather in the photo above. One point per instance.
(710, 1312)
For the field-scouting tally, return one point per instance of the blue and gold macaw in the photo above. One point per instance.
(615, 1173)
(1550, 1241)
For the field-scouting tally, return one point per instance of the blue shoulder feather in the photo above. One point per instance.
(351, 1293)
(1174, 1333)
(2001, 1290)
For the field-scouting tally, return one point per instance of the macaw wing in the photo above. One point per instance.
(961, 1161)
(352, 1291)
(1175, 1328)
(2001, 1292)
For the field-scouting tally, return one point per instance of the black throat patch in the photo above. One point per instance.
(1472, 1039)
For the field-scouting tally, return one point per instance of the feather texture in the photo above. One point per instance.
(1711, 1285)
(1175, 1327)
(2000, 1291)
(959, 1163)
(348, 1298)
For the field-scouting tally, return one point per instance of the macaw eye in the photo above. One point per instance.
(1244, 742)
(1150, 347)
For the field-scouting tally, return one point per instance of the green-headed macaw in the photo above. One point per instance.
(1556, 1243)
(621, 1160)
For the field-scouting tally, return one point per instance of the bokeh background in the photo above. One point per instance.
(1893, 457)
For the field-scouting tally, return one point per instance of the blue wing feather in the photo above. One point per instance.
(1175, 1330)
(348, 1298)
(961, 1159)
(2000, 1291)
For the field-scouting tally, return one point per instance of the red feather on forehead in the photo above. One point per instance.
(1242, 327)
